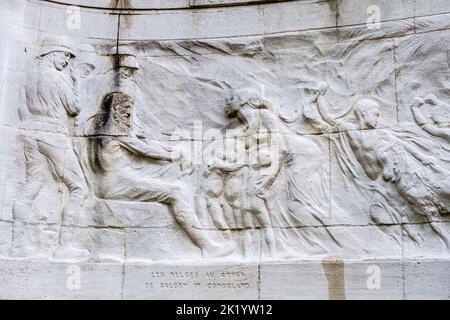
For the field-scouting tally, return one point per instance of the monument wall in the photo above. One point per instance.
(217, 149)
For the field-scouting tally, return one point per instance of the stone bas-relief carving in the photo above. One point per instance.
(112, 156)
(180, 157)
(242, 201)
(405, 166)
(52, 101)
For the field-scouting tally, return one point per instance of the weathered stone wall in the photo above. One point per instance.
(350, 186)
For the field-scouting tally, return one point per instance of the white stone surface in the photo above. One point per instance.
(332, 279)
(55, 281)
(237, 149)
(191, 282)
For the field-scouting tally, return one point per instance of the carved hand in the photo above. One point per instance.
(418, 116)
(309, 113)
(418, 102)
(431, 99)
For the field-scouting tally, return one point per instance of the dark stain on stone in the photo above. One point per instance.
(115, 61)
(332, 4)
(334, 269)
(120, 4)
(123, 5)
(128, 19)
(100, 128)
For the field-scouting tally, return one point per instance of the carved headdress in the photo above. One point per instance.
(126, 57)
(55, 43)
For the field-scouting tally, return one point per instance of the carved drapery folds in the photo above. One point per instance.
(230, 165)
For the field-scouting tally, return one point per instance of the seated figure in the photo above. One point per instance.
(113, 153)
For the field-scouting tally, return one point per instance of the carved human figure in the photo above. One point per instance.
(113, 153)
(437, 126)
(125, 66)
(246, 189)
(412, 172)
(210, 198)
(363, 141)
(52, 102)
(362, 136)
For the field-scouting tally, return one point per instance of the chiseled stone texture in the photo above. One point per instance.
(332, 278)
(54, 280)
(216, 149)
(191, 282)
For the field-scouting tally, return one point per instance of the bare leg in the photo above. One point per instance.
(247, 244)
(217, 215)
(262, 214)
(228, 213)
(185, 217)
(202, 210)
(66, 167)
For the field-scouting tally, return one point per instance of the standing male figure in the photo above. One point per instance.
(52, 102)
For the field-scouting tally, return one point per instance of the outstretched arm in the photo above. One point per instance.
(418, 115)
(433, 100)
(143, 149)
(416, 153)
(426, 123)
(226, 167)
(436, 131)
(313, 117)
(323, 110)
(422, 157)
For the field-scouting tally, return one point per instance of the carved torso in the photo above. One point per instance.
(51, 99)
(365, 144)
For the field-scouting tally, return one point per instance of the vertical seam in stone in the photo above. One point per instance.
(122, 292)
(261, 231)
(3, 196)
(258, 297)
(414, 15)
(403, 260)
(124, 262)
(396, 80)
(61, 192)
(336, 2)
(330, 197)
(398, 121)
(118, 33)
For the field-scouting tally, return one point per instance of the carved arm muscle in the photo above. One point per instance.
(152, 151)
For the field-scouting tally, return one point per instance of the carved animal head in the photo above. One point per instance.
(368, 113)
